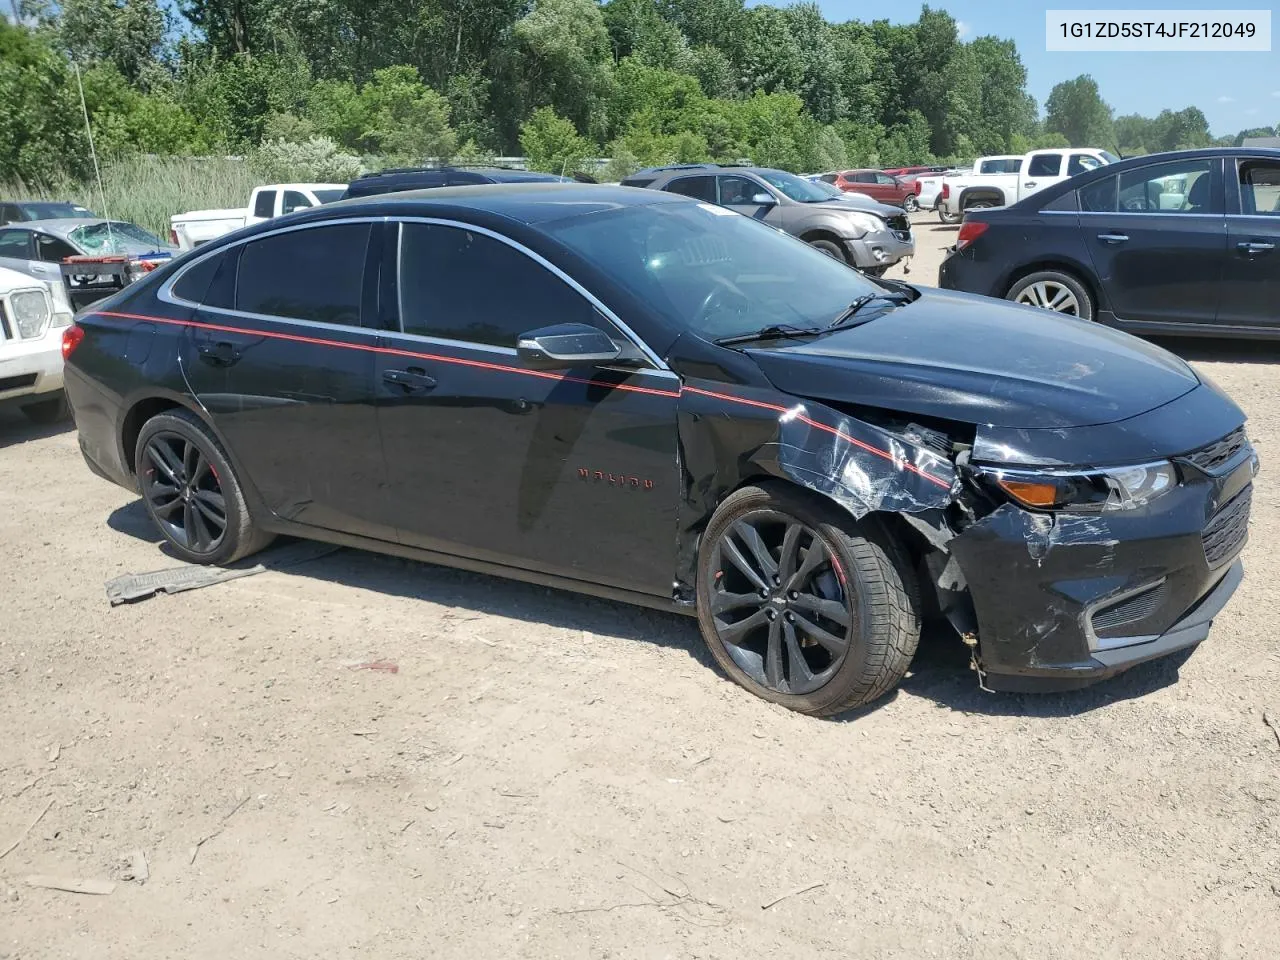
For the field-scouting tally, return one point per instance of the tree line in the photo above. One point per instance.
(331, 86)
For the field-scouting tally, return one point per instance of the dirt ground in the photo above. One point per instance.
(552, 776)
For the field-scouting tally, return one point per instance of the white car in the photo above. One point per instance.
(33, 315)
(1002, 180)
(189, 230)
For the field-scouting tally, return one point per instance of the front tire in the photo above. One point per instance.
(802, 606)
(1053, 290)
(830, 248)
(47, 412)
(192, 493)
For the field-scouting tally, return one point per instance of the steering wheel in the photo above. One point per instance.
(1136, 204)
(721, 298)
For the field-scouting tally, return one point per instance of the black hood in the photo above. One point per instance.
(976, 360)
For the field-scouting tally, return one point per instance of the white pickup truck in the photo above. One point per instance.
(189, 230)
(1002, 180)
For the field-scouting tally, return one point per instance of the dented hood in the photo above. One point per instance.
(978, 360)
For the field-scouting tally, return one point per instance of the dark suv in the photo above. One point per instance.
(21, 211)
(422, 178)
(871, 240)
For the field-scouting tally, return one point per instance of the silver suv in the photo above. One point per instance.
(870, 239)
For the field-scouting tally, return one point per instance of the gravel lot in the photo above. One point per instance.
(553, 776)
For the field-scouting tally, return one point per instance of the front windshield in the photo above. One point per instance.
(116, 237)
(329, 196)
(793, 186)
(712, 270)
(830, 189)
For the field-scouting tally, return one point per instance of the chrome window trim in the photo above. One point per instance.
(1142, 213)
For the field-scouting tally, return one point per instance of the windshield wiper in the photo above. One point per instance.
(893, 296)
(775, 331)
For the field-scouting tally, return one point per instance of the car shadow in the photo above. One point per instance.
(1224, 350)
(15, 428)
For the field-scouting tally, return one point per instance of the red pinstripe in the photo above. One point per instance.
(543, 374)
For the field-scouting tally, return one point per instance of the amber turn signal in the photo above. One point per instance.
(1031, 493)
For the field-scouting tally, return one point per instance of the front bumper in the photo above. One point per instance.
(31, 368)
(883, 248)
(1064, 600)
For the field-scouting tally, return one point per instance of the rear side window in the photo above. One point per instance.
(700, 188)
(1260, 188)
(461, 285)
(315, 274)
(1002, 165)
(265, 205)
(1065, 201)
(194, 282)
(1044, 165)
(637, 181)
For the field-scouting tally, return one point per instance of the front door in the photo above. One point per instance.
(572, 473)
(1157, 239)
(744, 195)
(279, 357)
(1251, 291)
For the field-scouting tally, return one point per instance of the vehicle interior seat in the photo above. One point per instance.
(1198, 197)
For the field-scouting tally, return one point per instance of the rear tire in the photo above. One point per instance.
(1045, 288)
(948, 218)
(910, 204)
(830, 248)
(192, 493)
(49, 411)
(850, 613)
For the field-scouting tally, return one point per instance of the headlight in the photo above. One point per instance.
(30, 311)
(865, 222)
(1115, 488)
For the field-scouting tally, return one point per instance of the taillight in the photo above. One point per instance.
(946, 190)
(970, 231)
(173, 236)
(71, 338)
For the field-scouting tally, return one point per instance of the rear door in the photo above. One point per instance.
(1157, 237)
(573, 473)
(280, 356)
(1251, 291)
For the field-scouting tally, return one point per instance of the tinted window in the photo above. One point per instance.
(328, 196)
(1001, 165)
(194, 282)
(14, 243)
(315, 274)
(463, 177)
(864, 178)
(1065, 201)
(1184, 186)
(462, 285)
(739, 191)
(1099, 196)
(51, 249)
(637, 181)
(700, 188)
(9, 213)
(830, 177)
(884, 178)
(1044, 165)
(1080, 162)
(265, 205)
(293, 200)
(1260, 187)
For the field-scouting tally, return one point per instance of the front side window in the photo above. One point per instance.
(885, 180)
(51, 249)
(1099, 196)
(864, 178)
(9, 213)
(1044, 165)
(265, 205)
(797, 188)
(714, 274)
(1183, 186)
(739, 191)
(1080, 162)
(293, 200)
(700, 188)
(315, 274)
(1260, 187)
(459, 284)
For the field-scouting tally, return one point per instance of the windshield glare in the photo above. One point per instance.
(115, 237)
(793, 186)
(712, 270)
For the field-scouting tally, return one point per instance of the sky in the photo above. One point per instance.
(1235, 90)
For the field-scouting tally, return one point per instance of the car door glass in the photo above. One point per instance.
(315, 274)
(1181, 186)
(293, 200)
(1044, 165)
(739, 191)
(1260, 188)
(9, 213)
(1080, 162)
(52, 250)
(459, 284)
(1099, 196)
(864, 178)
(700, 188)
(265, 205)
(884, 179)
(15, 244)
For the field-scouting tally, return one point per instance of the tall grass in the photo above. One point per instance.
(148, 190)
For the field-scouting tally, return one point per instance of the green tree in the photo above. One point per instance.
(408, 121)
(551, 143)
(564, 62)
(1076, 110)
(41, 129)
(128, 34)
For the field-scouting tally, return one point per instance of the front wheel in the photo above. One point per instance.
(1053, 290)
(910, 204)
(801, 605)
(192, 493)
(830, 248)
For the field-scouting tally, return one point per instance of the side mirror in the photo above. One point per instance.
(566, 345)
(764, 199)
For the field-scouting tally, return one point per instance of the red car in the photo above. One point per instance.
(877, 185)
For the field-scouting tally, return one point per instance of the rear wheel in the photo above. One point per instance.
(191, 491)
(49, 411)
(910, 204)
(946, 217)
(830, 248)
(802, 606)
(1053, 290)
(978, 205)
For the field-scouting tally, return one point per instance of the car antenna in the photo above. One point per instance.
(88, 128)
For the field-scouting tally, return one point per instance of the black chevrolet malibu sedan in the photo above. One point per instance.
(639, 396)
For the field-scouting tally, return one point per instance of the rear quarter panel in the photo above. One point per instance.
(1016, 244)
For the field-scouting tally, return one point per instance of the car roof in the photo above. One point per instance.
(43, 203)
(61, 226)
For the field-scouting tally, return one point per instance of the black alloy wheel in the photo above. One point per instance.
(183, 492)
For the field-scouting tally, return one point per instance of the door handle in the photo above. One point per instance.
(1029, 183)
(220, 354)
(412, 380)
(1112, 237)
(1250, 247)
